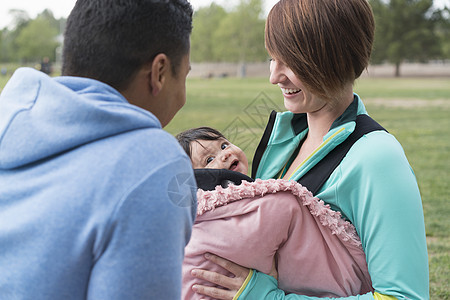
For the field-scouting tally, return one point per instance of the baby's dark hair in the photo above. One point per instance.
(186, 137)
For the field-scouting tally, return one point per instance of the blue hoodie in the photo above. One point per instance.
(96, 200)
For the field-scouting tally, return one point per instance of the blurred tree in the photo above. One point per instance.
(235, 36)
(240, 35)
(205, 22)
(20, 18)
(38, 38)
(442, 17)
(405, 31)
(47, 14)
(3, 34)
(9, 48)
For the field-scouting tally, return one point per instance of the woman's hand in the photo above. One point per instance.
(231, 284)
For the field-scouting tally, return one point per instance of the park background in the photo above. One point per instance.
(406, 88)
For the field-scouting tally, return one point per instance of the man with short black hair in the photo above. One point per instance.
(96, 200)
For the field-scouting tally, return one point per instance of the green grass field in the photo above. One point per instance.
(415, 110)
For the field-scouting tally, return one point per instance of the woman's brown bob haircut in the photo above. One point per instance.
(326, 43)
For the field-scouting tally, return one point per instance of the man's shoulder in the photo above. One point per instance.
(152, 143)
(135, 155)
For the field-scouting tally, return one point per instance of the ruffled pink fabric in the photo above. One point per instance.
(256, 223)
(209, 200)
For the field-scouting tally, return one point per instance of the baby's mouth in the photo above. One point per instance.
(234, 165)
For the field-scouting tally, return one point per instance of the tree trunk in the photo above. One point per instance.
(397, 69)
(242, 69)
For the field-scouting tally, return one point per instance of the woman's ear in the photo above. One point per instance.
(159, 71)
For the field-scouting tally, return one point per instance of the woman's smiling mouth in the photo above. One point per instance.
(290, 91)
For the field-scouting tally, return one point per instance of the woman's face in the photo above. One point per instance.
(297, 98)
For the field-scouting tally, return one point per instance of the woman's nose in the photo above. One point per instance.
(276, 72)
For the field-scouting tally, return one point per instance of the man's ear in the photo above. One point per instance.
(159, 72)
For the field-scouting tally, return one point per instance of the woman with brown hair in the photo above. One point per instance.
(319, 48)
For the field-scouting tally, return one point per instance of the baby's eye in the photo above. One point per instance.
(224, 145)
(209, 159)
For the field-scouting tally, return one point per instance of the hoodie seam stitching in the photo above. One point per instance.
(19, 112)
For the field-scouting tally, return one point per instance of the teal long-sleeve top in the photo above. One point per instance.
(374, 188)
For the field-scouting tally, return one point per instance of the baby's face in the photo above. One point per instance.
(218, 154)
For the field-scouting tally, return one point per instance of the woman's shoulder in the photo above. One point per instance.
(377, 143)
(374, 150)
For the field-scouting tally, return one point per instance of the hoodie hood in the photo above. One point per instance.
(42, 116)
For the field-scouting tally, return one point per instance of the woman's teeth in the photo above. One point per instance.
(290, 91)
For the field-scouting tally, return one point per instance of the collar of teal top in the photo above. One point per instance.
(299, 122)
(287, 132)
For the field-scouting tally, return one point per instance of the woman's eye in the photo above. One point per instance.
(209, 159)
(224, 145)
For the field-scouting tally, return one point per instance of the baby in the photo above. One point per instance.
(209, 149)
(255, 223)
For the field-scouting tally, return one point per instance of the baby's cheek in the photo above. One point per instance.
(217, 164)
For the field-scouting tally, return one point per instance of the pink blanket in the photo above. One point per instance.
(317, 252)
